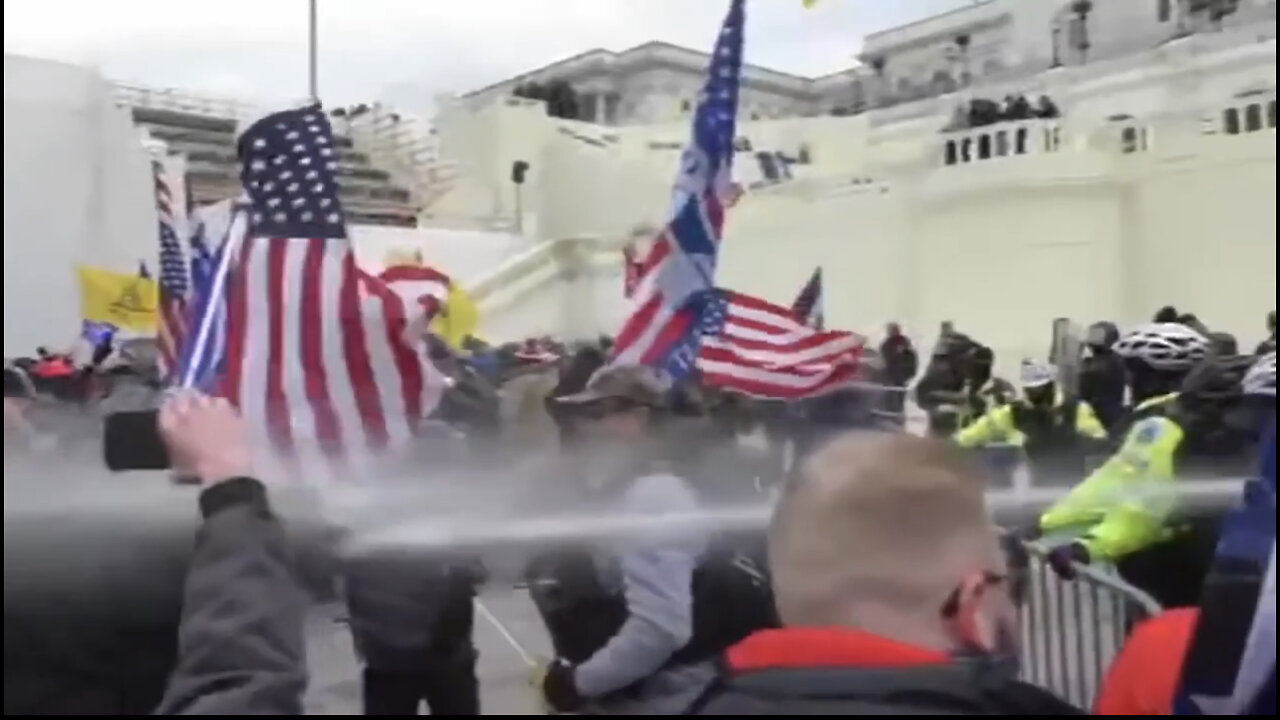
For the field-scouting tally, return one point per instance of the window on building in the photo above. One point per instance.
(949, 156)
(1253, 118)
(1231, 121)
(1271, 114)
(984, 147)
(1164, 10)
(965, 146)
(1020, 141)
(1129, 140)
(1002, 143)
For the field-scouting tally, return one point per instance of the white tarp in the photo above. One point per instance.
(77, 189)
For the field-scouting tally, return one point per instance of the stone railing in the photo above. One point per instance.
(183, 102)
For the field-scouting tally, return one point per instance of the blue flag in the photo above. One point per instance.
(205, 368)
(1231, 663)
(97, 333)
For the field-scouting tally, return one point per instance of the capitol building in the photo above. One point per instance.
(985, 42)
(1142, 173)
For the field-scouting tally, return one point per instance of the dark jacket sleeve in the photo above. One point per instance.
(240, 646)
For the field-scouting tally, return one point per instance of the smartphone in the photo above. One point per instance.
(131, 441)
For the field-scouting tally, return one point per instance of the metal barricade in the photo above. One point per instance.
(1071, 630)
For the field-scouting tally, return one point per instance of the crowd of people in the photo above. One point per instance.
(880, 587)
(981, 112)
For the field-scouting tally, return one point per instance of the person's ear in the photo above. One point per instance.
(969, 623)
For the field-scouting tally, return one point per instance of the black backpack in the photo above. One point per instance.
(732, 597)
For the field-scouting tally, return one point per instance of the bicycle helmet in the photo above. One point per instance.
(1261, 376)
(1164, 346)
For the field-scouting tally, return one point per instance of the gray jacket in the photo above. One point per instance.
(241, 649)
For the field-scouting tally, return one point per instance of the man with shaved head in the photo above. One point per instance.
(893, 590)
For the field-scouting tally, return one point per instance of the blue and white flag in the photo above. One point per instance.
(210, 227)
(1231, 663)
(96, 333)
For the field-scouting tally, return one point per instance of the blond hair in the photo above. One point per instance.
(890, 520)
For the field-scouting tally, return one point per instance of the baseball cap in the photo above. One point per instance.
(636, 383)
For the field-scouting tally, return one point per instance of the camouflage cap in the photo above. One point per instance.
(639, 384)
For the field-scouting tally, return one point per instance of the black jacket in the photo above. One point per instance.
(1103, 381)
(960, 688)
(109, 615)
(900, 360)
(241, 649)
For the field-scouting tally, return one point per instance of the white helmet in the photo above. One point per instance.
(1261, 377)
(1164, 346)
(1036, 374)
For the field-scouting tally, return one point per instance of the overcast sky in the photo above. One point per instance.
(394, 49)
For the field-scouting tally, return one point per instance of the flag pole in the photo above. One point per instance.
(236, 231)
(313, 82)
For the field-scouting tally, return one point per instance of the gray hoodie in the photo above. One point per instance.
(656, 577)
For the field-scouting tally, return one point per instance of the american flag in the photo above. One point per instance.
(807, 307)
(315, 347)
(172, 326)
(763, 350)
(676, 287)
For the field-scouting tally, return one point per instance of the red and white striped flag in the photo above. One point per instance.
(316, 348)
(420, 286)
(764, 351)
(174, 282)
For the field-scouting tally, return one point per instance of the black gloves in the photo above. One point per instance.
(1064, 558)
(559, 690)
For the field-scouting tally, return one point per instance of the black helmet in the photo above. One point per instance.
(981, 355)
(1216, 380)
(1102, 334)
(1223, 343)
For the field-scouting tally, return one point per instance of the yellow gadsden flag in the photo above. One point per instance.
(458, 319)
(124, 300)
(458, 316)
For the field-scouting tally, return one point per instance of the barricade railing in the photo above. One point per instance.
(1071, 630)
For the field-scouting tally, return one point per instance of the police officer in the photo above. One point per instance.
(1103, 379)
(645, 637)
(1054, 432)
(1209, 429)
(940, 391)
